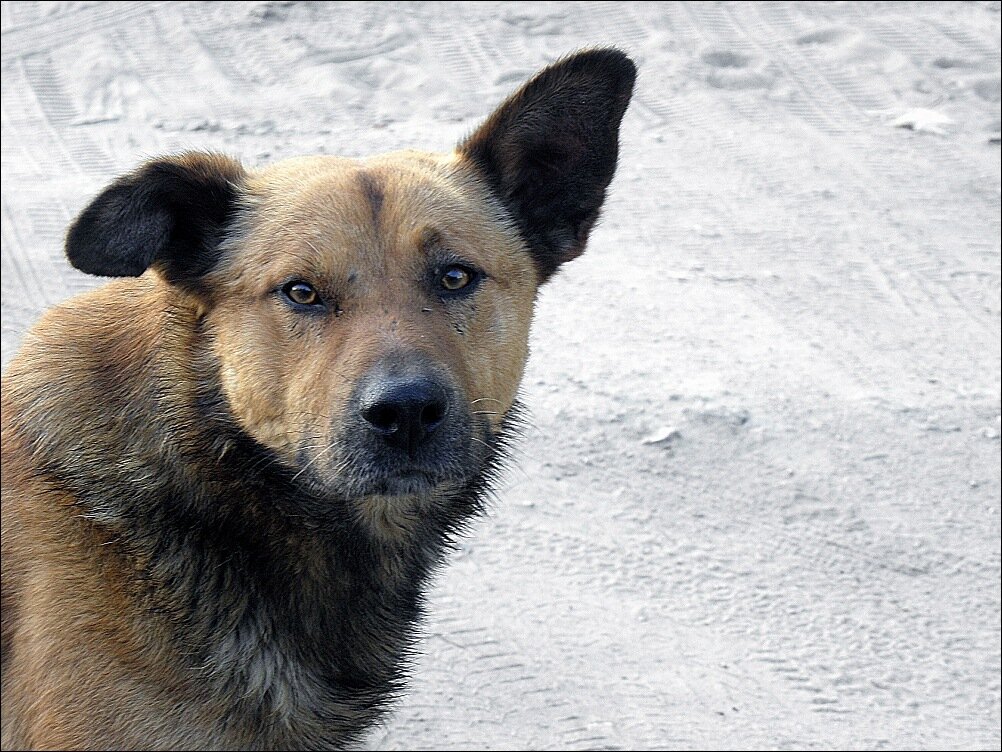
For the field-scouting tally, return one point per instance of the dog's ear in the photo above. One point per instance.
(170, 214)
(549, 151)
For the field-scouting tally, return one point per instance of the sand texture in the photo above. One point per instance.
(759, 501)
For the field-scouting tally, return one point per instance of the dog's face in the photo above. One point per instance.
(370, 318)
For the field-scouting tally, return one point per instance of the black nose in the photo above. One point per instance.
(405, 411)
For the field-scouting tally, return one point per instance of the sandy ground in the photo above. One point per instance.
(759, 503)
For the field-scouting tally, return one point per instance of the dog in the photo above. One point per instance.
(228, 474)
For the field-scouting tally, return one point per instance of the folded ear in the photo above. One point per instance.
(549, 151)
(170, 213)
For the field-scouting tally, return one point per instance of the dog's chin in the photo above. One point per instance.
(403, 484)
(407, 484)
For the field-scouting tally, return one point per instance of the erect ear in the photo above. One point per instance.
(170, 214)
(549, 151)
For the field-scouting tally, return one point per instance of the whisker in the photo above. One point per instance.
(310, 414)
(307, 465)
(481, 441)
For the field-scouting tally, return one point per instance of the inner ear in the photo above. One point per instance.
(550, 150)
(170, 214)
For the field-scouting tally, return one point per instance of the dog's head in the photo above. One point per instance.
(370, 318)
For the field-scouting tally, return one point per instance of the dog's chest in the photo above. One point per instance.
(311, 671)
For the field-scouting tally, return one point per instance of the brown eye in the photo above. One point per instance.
(301, 293)
(455, 278)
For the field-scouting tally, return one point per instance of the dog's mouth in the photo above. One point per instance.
(355, 468)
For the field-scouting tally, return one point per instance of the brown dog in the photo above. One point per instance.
(227, 477)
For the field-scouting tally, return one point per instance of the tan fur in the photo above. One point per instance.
(316, 216)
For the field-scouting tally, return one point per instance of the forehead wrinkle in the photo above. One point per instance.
(372, 192)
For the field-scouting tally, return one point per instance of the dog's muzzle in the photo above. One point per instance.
(406, 430)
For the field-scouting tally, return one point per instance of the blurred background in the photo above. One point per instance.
(758, 505)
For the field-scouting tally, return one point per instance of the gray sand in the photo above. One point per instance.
(759, 501)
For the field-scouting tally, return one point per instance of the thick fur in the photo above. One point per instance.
(204, 545)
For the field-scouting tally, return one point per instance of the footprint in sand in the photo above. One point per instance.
(946, 63)
(831, 35)
(728, 69)
(988, 88)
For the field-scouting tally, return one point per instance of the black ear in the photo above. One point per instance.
(170, 213)
(549, 151)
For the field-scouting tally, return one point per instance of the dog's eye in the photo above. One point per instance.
(301, 293)
(456, 278)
